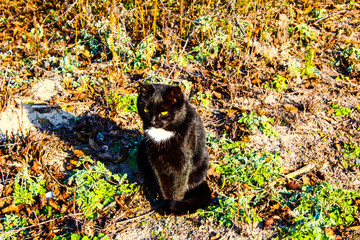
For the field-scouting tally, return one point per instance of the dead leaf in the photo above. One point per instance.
(10, 208)
(215, 236)
(73, 162)
(53, 203)
(212, 172)
(77, 96)
(79, 153)
(247, 186)
(354, 228)
(35, 167)
(306, 180)
(320, 175)
(290, 108)
(93, 144)
(292, 185)
(43, 200)
(269, 221)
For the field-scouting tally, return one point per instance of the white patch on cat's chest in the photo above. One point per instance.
(159, 134)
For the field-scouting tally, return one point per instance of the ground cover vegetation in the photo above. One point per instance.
(275, 82)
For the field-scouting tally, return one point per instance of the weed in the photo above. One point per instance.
(75, 236)
(241, 169)
(231, 210)
(351, 152)
(318, 207)
(27, 187)
(97, 186)
(278, 83)
(306, 34)
(159, 235)
(12, 222)
(123, 103)
(203, 98)
(340, 111)
(253, 122)
(309, 68)
(249, 168)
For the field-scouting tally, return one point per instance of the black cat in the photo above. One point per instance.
(173, 156)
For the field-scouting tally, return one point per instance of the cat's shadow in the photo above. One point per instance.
(100, 138)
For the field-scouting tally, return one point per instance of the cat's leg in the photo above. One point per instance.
(180, 185)
(165, 182)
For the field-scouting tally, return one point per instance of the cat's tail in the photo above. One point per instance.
(198, 197)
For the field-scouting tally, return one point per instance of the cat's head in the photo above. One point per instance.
(160, 106)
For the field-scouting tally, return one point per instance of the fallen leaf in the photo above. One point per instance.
(10, 208)
(269, 221)
(290, 108)
(93, 144)
(292, 185)
(306, 180)
(247, 186)
(320, 175)
(354, 228)
(35, 167)
(215, 236)
(53, 203)
(78, 153)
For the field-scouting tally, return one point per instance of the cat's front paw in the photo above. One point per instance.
(164, 206)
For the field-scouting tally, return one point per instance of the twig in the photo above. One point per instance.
(138, 217)
(302, 170)
(35, 225)
(37, 106)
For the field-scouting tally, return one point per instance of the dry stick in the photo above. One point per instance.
(183, 50)
(302, 170)
(138, 217)
(35, 225)
(59, 105)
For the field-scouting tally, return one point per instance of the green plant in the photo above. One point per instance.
(75, 236)
(159, 235)
(340, 111)
(249, 168)
(123, 103)
(237, 169)
(26, 187)
(317, 207)
(97, 186)
(278, 83)
(231, 210)
(203, 98)
(253, 122)
(309, 67)
(12, 222)
(306, 34)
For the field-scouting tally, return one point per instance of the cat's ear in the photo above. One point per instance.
(145, 88)
(174, 95)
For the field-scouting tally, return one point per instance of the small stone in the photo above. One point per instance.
(100, 137)
(357, 160)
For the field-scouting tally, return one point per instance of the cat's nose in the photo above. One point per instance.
(154, 122)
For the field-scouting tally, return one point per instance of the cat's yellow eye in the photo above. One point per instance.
(164, 113)
(146, 110)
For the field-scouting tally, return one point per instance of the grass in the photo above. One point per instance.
(97, 186)
(316, 210)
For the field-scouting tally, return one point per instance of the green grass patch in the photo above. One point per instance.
(27, 187)
(252, 122)
(318, 207)
(122, 103)
(97, 186)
